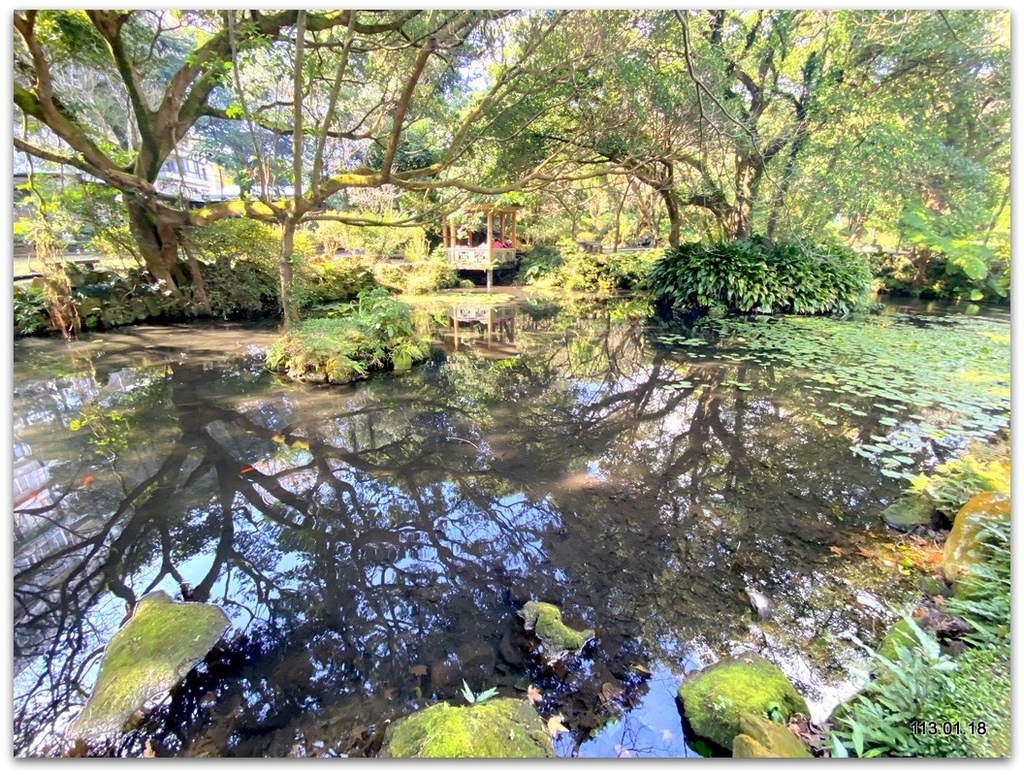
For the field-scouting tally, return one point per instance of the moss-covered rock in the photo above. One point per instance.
(716, 697)
(496, 729)
(760, 738)
(557, 639)
(901, 634)
(963, 550)
(909, 512)
(155, 649)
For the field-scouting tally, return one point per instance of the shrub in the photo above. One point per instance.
(417, 277)
(569, 268)
(238, 260)
(326, 279)
(983, 468)
(754, 275)
(371, 334)
(30, 309)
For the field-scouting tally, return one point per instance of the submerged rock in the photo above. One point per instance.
(909, 512)
(716, 697)
(760, 738)
(496, 729)
(156, 648)
(557, 640)
(759, 603)
(963, 551)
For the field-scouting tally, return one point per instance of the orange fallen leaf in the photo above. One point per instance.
(641, 669)
(533, 694)
(419, 670)
(836, 551)
(87, 481)
(865, 552)
(247, 470)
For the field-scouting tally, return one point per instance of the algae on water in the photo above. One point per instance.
(147, 657)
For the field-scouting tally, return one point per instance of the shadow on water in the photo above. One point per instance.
(372, 543)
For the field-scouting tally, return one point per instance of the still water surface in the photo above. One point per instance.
(372, 543)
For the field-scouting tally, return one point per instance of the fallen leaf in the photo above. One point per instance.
(865, 552)
(88, 480)
(148, 752)
(533, 694)
(610, 692)
(555, 727)
(419, 670)
(389, 693)
(836, 551)
(246, 470)
(641, 669)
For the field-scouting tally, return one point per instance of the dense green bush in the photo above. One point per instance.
(238, 260)
(30, 309)
(417, 277)
(374, 333)
(754, 275)
(569, 268)
(323, 280)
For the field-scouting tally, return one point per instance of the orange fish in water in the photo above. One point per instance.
(247, 470)
(87, 481)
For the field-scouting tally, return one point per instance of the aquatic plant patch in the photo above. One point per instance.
(925, 384)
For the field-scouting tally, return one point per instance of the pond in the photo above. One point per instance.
(372, 543)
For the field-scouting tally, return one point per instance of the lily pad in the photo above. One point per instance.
(146, 658)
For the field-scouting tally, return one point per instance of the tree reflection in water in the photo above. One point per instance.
(372, 543)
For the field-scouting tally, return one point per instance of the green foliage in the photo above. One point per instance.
(371, 334)
(877, 722)
(985, 602)
(982, 468)
(568, 268)
(923, 684)
(238, 259)
(29, 309)
(417, 277)
(754, 275)
(476, 699)
(326, 279)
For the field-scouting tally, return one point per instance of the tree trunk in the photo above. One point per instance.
(741, 218)
(674, 218)
(285, 270)
(202, 300)
(158, 244)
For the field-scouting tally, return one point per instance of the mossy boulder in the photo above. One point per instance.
(147, 657)
(963, 551)
(909, 512)
(900, 634)
(557, 639)
(715, 698)
(760, 738)
(502, 728)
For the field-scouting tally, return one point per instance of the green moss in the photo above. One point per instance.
(502, 728)
(715, 698)
(909, 512)
(546, 621)
(763, 739)
(147, 657)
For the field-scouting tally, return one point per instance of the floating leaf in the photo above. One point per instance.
(555, 727)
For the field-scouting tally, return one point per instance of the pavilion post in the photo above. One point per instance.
(513, 229)
(490, 248)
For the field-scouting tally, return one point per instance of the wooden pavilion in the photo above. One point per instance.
(496, 249)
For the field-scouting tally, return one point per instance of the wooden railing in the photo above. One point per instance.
(463, 257)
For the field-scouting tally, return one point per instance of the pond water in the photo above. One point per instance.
(372, 543)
